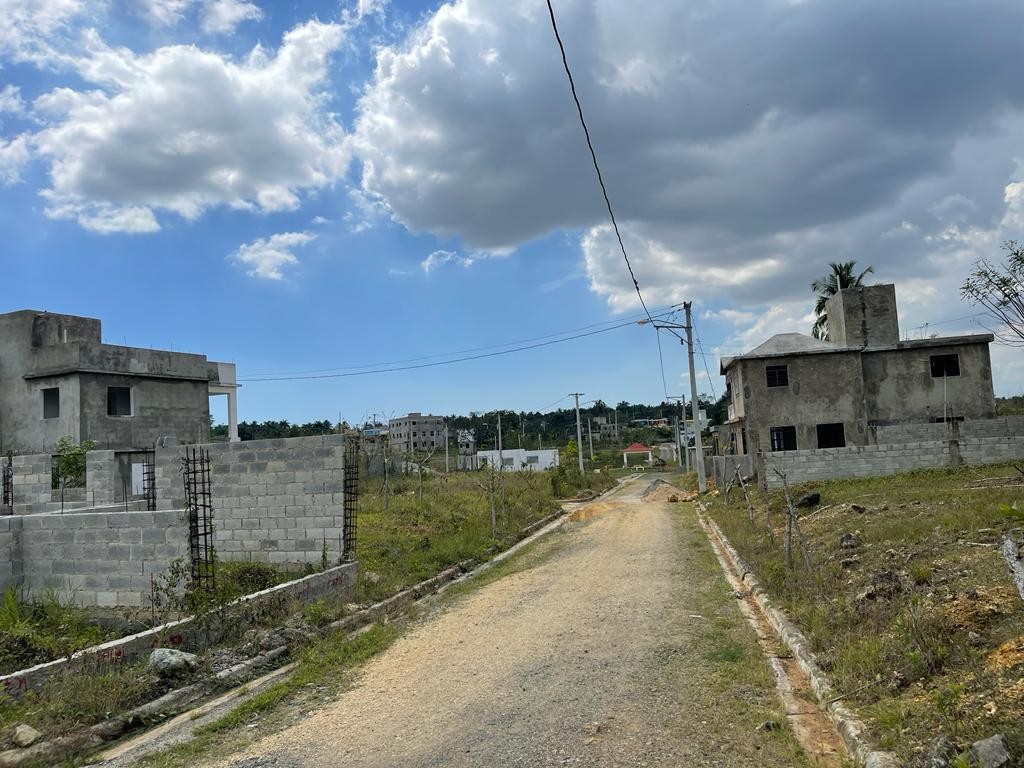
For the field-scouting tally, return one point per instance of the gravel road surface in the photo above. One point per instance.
(616, 643)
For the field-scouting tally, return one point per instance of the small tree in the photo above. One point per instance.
(999, 288)
(71, 462)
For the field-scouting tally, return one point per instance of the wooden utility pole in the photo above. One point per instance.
(590, 437)
(579, 430)
(702, 483)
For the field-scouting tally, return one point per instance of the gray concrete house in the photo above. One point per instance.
(794, 392)
(58, 378)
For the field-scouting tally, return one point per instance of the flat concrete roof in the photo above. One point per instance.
(798, 344)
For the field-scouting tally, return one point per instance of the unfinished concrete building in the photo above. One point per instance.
(58, 378)
(417, 434)
(860, 387)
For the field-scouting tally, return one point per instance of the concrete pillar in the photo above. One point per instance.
(233, 415)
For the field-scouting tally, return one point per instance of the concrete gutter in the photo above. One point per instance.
(851, 728)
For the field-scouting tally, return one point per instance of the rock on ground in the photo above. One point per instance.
(26, 735)
(169, 662)
(990, 753)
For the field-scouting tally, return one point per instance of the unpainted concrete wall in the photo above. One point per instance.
(276, 501)
(822, 389)
(890, 459)
(899, 387)
(96, 559)
(161, 407)
(863, 316)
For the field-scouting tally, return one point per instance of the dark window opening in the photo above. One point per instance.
(946, 420)
(777, 375)
(783, 438)
(51, 403)
(945, 365)
(119, 401)
(831, 436)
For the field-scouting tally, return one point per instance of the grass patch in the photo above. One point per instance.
(41, 629)
(407, 537)
(907, 622)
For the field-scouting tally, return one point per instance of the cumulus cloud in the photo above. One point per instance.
(182, 130)
(14, 154)
(31, 30)
(440, 258)
(222, 16)
(745, 145)
(266, 256)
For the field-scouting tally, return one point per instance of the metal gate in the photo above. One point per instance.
(149, 480)
(195, 470)
(351, 497)
(7, 502)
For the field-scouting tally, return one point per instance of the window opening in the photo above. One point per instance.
(783, 438)
(777, 375)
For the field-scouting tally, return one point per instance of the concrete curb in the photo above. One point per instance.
(850, 727)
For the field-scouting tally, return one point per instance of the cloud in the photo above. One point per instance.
(266, 256)
(182, 130)
(222, 16)
(165, 13)
(14, 154)
(32, 30)
(10, 100)
(439, 258)
(745, 145)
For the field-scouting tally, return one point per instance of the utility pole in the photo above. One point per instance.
(590, 437)
(501, 456)
(521, 430)
(446, 470)
(579, 430)
(702, 482)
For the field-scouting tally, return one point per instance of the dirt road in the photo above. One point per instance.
(616, 643)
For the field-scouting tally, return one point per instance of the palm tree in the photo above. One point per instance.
(842, 276)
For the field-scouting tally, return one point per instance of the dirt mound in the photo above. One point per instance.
(660, 491)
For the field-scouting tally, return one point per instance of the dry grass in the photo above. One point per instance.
(920, 625)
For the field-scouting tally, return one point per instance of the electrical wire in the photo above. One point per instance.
(661, 362)
(700, 347)
(440, 362)
(660, 312)
(593, 157)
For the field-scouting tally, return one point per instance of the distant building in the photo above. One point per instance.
(58, 378)
(416, 433)
(516, 459)
(605, 428)
(795, 392)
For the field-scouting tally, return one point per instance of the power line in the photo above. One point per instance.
(440, 362)
(700, 347)
(257, 376)
(661, 362)
(593, 157)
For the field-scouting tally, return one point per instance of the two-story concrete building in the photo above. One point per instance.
(58, 378)
(795, 392)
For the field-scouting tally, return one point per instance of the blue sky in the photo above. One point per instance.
(321, 185)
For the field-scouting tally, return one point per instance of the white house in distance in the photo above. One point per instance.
(516, 459)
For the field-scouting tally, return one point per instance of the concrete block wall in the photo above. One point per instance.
(275, 501)
(101, 477)
(95, 559)
(33, 478)
(1002, 426)
(10, 551)
(889, 459)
